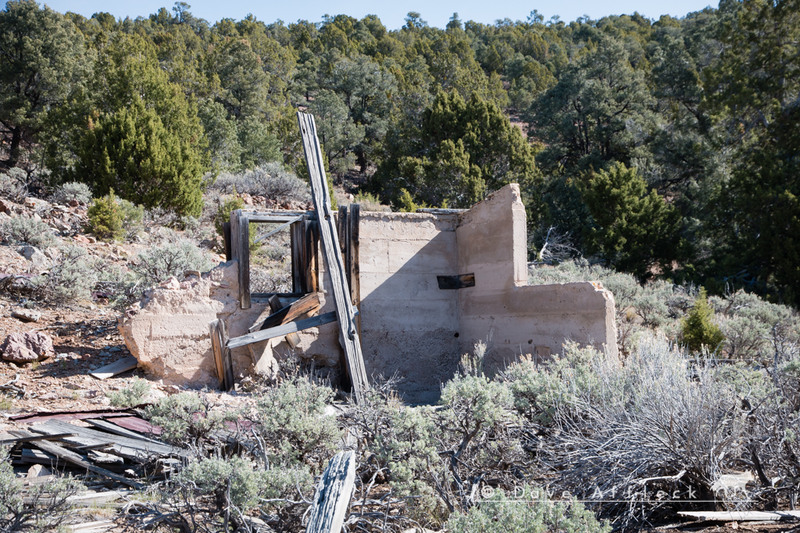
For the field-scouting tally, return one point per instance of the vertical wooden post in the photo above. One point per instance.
(299, 259)
(222, 354)
(348, 332)
(240, 250)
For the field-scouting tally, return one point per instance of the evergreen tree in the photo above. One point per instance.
(145, 139)
(463, 149)
(632, 228)
(42, 63)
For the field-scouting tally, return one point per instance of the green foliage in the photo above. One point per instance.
(186, 418)
(172, 258)
(293, 422)
(132, 395)
(72, 191)
(632, 228)
(145, 141)
(39, 508)
(698, 329)
(44, 64)
(227, 206)
(463, 149)
(18, 230)
(105, 218)
(71, 277)
(527, 509)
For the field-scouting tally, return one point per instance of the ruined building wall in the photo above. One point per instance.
(501, 310)
(408, 325)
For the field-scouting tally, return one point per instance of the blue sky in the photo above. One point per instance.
(392, 14)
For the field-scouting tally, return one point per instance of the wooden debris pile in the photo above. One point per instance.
(112, 448)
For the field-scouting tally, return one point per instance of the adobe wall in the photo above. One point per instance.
(501, 310)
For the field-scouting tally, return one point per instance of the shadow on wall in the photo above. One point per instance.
(413, 328)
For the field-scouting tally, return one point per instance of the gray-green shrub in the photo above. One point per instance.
(270, 180)
(71, 278)
(527, 509)
(186, 418)
(132, 395)
(292, 421)
(171, 258)
(18, 230)
(41, 507)
(72, 191)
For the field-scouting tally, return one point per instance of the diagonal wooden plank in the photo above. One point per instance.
(307, 304)
(280, 331)
(348, 332)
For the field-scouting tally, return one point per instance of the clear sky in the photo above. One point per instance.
(392, 13)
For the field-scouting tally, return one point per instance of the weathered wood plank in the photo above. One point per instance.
(307, 304)
(77, 460)
(332, 497)
(217, 345)
(244, 262)
(299, 260)
(118, 430)
(280, 331)
(117, 367)
(348, 332)
(142, 446)
(742, 516)
(11, 438)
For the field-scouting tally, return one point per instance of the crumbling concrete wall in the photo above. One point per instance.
(413, 328)
(501, 310)
(408, 326)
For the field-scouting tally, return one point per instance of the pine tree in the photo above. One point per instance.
(698, 330)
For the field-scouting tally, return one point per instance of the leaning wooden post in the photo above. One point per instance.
(346, 314)
(332, 497)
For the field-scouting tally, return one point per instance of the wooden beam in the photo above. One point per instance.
(332, 497)
(307, 304)
(222, 354)
(742, 516)
(348, 331)
(280, 331)
(117, 367)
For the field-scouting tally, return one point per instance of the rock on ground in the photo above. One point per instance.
(26, 347)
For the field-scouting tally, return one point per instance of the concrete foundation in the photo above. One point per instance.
(410, 327)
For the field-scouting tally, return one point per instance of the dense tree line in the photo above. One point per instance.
(661, 147)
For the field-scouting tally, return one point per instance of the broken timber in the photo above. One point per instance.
(117, 367)
(280, 331)
(348, 331)
(222, 353)
(332, 497)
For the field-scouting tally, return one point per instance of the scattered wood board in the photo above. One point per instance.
(117, 367)
(742, 516)
(117, 430)
(348, 330)
(77, 460)
(134, 447)
(11, 438)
